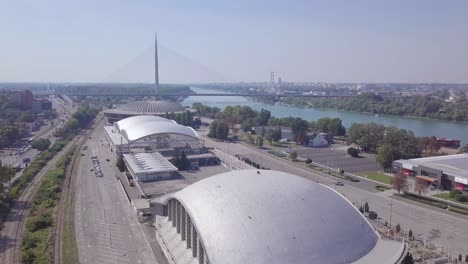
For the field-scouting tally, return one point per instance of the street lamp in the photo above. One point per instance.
(391, 207)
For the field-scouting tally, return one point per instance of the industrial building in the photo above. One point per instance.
(263, 216)
(145, 167)
(443, 172)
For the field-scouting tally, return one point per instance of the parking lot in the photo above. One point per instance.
(337, 157)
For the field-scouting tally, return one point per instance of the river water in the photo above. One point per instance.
(420, 126)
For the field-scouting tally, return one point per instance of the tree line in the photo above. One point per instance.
(421, 106)
(247, 118)
(80, 119)
(390, 143)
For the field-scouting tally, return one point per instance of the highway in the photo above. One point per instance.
(106, 227)
(438, 226)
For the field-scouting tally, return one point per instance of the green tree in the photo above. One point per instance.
(385, 156)
(40, 144)
(399, 182)
(299, 129)
(293, 155)
(398, 228)
(120, 163)
(222, 130)
(260, 141)
(308, 161)
(184, 162)
(366, 207)
(247, 125)
(353, 152)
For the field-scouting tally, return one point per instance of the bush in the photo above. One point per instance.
(398, 228)
(461, 198)
(452, 193)
(353, 152)
(341, 171)
(464, 199)
(39, 222)
(293, 155)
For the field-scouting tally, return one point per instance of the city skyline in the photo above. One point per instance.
(417, 42)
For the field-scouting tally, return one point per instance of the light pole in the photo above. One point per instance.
(391, 207)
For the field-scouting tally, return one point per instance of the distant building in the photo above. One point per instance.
(448, 142)
(317, 140)
(22, 99)
(444, 172)
(41, 105)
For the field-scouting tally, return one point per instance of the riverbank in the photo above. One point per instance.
(420, 126)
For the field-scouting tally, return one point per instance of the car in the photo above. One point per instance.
(339, 183)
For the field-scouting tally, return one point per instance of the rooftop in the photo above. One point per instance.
(453, 165)
(251, 216)
(147, 108)
(148, 163)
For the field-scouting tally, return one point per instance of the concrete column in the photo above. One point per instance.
(194, 243)
(189, 232)
(184, 224)
(169, 211)
(201, 255)
(173, 213)
(178, 217)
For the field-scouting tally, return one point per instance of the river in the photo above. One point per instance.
(420, 126)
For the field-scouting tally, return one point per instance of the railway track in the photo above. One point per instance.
(12, 234)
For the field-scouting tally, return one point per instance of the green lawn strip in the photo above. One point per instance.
(376, 176)
(458, 210)
(69, 248)
(446, 196)
(421, 199)
(277, 153)
(381, 188)
(35, 247)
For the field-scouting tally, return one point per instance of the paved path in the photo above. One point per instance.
(107, 229)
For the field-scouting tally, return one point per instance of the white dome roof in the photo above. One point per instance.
(250, 216)
(136, 120)
(147, 108)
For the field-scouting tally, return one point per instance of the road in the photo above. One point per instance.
(107, 229)
(439, 227)
(63, 109)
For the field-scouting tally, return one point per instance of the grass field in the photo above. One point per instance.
(377, 176)
(446, 196)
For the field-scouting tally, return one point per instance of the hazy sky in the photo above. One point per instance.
(242, 40)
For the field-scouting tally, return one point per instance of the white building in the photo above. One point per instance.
(146, 167)
(151, 134)
(251, 216)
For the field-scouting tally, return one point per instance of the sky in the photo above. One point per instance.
(232, 41)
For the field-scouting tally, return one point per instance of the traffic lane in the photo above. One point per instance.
(112, 234)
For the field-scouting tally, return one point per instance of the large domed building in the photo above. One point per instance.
(262, 216)
(152, 108)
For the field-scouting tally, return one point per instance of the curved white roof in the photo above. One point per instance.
(275, 217)
(136, 120)
(144, 129)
